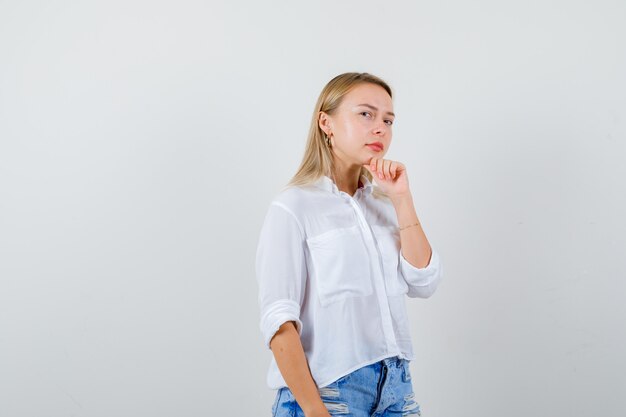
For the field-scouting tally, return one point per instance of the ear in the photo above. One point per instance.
(323, 122)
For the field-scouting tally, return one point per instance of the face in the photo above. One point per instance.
(364, 117)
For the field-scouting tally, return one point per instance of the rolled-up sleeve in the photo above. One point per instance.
(280, 270)
(422, 282)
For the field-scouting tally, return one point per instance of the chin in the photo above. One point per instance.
(372, 154)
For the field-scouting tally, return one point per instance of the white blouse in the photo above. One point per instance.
(332, 263)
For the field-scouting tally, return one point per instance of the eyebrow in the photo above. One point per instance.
(374, 108)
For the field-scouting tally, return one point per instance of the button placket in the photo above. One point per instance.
(379, 283)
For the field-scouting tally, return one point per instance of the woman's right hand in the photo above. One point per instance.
(292, 363)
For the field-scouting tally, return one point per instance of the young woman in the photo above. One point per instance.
(336, 259)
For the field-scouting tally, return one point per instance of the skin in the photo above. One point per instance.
(292, 363)
(351, 129)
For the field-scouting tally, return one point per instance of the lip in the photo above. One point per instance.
(376, 146)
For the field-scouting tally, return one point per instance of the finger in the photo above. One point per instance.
(400, 168)
(372, 167)
(394, 169)
(387, 168)
(380, 168)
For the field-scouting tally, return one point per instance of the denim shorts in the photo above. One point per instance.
(381, 389)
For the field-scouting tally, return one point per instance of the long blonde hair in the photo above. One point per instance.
(317, 160)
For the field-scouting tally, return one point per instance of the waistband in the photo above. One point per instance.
(392, 361)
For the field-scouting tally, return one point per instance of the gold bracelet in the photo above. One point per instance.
(402, 228)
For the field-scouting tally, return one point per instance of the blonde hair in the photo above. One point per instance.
(318, 160)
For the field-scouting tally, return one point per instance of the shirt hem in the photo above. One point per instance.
(362, 364)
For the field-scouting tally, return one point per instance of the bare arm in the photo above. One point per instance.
(413, 241)
(289, 354)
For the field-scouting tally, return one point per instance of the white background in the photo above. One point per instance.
(142, 141)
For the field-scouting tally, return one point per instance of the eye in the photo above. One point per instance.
(364, 112)
(390, 122)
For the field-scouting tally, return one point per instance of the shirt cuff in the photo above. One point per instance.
(422, 282)
(276, 314)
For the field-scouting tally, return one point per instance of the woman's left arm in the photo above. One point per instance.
(419, 264)
(413, 242)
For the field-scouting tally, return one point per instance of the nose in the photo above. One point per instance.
(381, 128)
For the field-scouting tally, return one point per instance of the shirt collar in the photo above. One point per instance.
(326, 183)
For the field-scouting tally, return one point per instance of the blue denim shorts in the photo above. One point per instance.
(381, 389)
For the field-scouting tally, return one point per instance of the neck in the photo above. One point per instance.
(347, 178)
